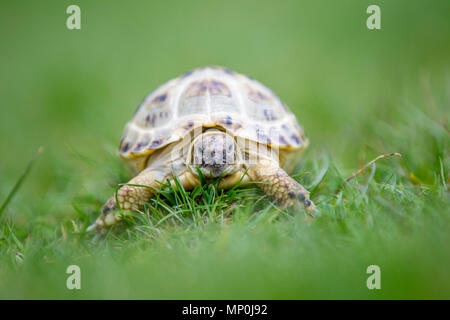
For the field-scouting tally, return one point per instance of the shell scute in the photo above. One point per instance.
(262, 106)
(218, 88)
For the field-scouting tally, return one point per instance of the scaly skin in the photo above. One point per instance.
(130, 198)
(278, 184)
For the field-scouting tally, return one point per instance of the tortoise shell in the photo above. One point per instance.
(209, 97)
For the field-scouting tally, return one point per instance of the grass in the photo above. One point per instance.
(358, 94)
(173, 205)
(19, 182)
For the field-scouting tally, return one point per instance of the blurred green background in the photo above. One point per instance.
(357, 92)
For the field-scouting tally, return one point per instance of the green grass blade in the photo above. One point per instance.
(20, 180)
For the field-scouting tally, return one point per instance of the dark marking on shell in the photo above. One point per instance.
(229, 123)
(257, 95)
(291, 194)
(160, 98)
(188, 125)
(196, 88)
(155, 143)
(137, 109)
(139, 146)
(187, 73)
(214, 86)
(228, 71)
(217, 87)
(228, 120)
(282, 140)
(262, 135)
(126, 147)
(269, 115)
(140, 105)
(296, 139)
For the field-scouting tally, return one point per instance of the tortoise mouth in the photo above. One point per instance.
(214, 166)
(215, 171)
(213, 163)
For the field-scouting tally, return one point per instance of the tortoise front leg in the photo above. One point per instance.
(278, 184)
(130, 198)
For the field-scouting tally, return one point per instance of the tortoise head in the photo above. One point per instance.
(215, 153)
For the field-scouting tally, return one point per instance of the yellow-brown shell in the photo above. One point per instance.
(209, 97)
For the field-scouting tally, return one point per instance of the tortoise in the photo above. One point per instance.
(214, 122)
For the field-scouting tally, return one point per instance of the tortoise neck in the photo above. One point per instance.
(213, 130)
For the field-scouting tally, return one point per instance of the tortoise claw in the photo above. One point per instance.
(307, 203)
(104, 222)
(91, 228)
